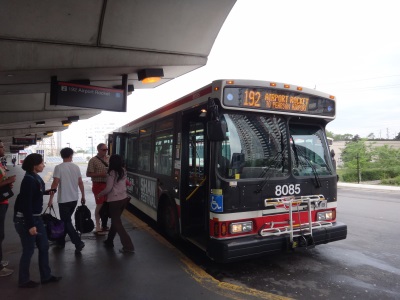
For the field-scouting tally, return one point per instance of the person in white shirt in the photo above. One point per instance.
(68, 179)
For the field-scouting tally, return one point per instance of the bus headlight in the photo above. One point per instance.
(325, 216)
(240, 227)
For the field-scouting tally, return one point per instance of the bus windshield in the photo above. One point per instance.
(257, 147)
(310, 155)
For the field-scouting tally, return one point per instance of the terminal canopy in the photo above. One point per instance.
(96, 42)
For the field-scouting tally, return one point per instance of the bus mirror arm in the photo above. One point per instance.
(216, 131)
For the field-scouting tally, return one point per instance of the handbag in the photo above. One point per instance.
(5, 192)
(54, 227)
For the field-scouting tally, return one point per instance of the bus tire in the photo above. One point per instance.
(168, 217)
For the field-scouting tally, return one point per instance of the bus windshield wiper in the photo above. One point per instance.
(310, 164)
(269, 167)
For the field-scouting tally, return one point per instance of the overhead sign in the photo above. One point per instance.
(30, 140)
(16, 149)
(88, 96)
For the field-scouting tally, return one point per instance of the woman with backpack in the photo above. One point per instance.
(117, 200)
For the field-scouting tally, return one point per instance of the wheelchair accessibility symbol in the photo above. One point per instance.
(216, 203)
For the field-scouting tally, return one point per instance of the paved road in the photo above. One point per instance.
(364, 266)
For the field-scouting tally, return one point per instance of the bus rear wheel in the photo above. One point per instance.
(169, 223)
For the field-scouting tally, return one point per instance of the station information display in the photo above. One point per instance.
(278, 100)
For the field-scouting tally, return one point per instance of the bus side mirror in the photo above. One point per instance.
(216, 131)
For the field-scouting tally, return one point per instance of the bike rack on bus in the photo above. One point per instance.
(315, 202)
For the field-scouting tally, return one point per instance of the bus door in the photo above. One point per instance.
(194, 176)
(117, 144)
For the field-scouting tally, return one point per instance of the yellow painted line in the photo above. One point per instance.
(226, 289)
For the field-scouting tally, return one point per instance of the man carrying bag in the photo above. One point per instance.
(67, 177)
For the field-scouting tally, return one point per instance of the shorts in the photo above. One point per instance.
(97, 187)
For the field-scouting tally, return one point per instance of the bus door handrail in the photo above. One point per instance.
(197, 187)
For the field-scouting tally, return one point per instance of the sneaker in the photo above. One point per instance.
(124, 250)
(80, 247)
(4, 263)
(6, 272)
(52, 279)
(108, 244)
(30, 284)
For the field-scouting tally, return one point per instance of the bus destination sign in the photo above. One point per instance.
(278, 100)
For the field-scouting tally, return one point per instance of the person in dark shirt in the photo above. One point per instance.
(29, 224)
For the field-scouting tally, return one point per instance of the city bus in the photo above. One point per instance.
(239, 168)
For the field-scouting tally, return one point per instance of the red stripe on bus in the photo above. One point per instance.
(175, 104)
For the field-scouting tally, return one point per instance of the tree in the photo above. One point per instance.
(397, 138)
(330, 134)
(357, 154)
(356, 138)
(342, 137)
(371, 136)
(386, 157)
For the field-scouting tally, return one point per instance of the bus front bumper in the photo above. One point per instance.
(253, 246)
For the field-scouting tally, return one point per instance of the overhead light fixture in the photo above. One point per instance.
(150, 75)
(48, 133)
(40, 123)
(66, 123)
(28, 134)
(73, 118)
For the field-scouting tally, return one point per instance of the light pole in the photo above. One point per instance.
(92, 143)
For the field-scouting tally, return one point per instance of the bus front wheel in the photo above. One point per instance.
(169, 223)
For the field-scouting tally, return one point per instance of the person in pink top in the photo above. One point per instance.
(117, 201)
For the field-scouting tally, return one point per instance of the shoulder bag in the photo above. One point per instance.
(54, 226)
(5, 192)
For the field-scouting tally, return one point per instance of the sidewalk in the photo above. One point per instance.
(153, 272)
(157, 270)
(369, 186)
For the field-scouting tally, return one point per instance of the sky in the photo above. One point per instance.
(349, 49)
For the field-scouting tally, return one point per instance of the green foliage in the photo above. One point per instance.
(386, 157)
(397, 138)
(357, 155)
(379, 163)
(348, 175)
(392, 181)
(342, 137)
(329, 134)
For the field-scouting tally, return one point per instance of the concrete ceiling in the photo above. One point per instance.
(95, 40)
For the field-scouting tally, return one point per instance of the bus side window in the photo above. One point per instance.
(163, 153)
